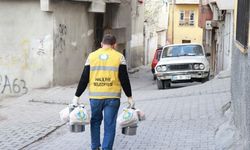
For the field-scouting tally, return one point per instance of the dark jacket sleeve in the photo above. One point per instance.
(124, 79)
(83, 83)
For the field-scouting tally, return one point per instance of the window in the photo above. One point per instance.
(183, 50)
(191, 18)
(242, 22)
(159, 54)
(186, 18)
(182, 22)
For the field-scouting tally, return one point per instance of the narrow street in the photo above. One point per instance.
(47, 46)
(184, 117)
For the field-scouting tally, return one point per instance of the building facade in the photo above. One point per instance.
(155, 27)
(219, 34)
(44, 43)
(217, 22)
(183, 22)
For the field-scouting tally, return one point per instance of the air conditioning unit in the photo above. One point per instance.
(209, 25)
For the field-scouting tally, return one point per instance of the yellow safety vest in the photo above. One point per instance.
(103, 80)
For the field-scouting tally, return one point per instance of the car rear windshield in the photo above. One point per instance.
(182, 50)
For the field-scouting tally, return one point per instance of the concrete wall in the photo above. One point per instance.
(240, 88)
(118, 18)
(241, 93)
(39, 49)
(162, 38)
(26, 47)
(136, 55)
(127, 26)
(225, 41)
(153, 41)
(152, 46)
(74, 33)
(117, 21)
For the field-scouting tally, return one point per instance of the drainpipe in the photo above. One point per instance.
(173, 5)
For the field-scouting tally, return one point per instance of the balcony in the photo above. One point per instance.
(99, 6)
(96, 6)
(187, 2)
(221, 4)
(225, 4)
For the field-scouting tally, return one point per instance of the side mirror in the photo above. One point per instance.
(208, 54)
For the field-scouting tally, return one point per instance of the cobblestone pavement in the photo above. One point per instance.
(181, 118)
(24, 122)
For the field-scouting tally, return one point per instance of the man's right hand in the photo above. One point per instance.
(75, 100)
(131, 102)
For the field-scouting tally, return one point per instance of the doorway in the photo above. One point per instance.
(99, 19)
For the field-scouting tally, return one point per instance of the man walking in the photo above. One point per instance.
(106, 72)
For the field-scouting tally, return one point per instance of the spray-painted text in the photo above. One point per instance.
(16, 86)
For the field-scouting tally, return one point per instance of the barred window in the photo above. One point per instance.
(181, 22)
(242, 22)
(186, 18)
(191, 19)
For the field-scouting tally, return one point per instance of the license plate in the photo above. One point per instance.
(181, 77)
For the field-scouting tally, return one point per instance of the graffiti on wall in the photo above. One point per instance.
(41, 50)
(60, 37)
(41, 46)
(16, 86)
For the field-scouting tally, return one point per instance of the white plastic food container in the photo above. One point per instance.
(78, 127)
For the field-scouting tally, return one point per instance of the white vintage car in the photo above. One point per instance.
(182, 63)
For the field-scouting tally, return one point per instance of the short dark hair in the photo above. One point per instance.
(109, 39)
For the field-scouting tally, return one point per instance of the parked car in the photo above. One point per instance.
(182, 63)
(155, 60)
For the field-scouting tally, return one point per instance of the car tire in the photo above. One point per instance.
(163, 84)
(167, 84)
(160, 84)
(203, 80)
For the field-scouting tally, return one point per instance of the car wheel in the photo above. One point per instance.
(167, 84)
(203, 80)
(163, 84)
(160, 84)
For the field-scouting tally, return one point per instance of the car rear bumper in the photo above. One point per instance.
(190, 75)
